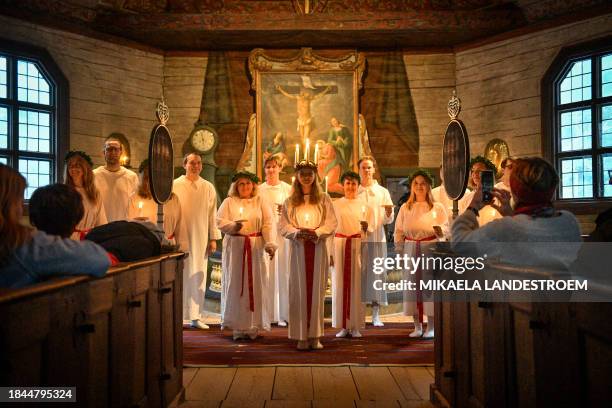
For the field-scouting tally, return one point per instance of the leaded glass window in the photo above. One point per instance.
(583, 127)
(28, 119)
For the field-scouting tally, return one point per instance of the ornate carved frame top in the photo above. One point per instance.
(305, 60)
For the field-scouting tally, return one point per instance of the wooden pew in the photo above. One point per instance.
(523, 354)
(118, 339)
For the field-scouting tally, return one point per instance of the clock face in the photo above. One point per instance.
(203, 140)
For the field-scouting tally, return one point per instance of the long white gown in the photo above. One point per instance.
(278, 268)
(242, 309)
(411, 226)
(94, 216)
(115, 188)
(349, 214)
(174, 223)
(198, 207)
(323, 219)
(375, 196)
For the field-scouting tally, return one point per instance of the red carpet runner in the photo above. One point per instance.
(379, 345)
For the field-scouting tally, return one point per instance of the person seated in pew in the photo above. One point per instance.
(534, 219)
(28, 256)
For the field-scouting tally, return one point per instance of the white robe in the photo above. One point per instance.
(416, 223)
(235, 306)
(278, 267)
(174, 224)
(115, 188)
(440, 196)
(198, 208)
(375, 196)
(94, 215)
(322, 218)
(349, 214)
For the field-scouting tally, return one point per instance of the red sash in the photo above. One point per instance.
(346, 276)
(248, 253)
(82, 233)
(419, 274)
(309, 254)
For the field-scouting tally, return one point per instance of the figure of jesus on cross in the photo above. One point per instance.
(303, 99)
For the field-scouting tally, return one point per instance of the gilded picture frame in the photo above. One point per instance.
(308, 96)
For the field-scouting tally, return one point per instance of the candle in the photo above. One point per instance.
(140, 204)
(326, 184)
(316, 153)
(241, 210)
(434, 214)
(292, 180)
(297, 153)
(306, 219)
(363, 210)
(307, 150)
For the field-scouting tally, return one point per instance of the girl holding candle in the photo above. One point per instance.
(355, 220)
(413, 227)
(307, 221)
(246, 220)
(78, 173)
(142, 206)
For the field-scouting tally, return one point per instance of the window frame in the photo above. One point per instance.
(551, 117)
(59, 109)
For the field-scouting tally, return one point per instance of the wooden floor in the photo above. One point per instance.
(315, 387)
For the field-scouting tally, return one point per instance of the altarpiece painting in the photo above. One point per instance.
(307, 106)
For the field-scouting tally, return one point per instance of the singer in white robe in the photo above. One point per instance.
(307, 224)
(348, 309)
(275, 192)
(379, 199)
(413, 229)
(79, 174)
(198, 201)
(246, 220)
(141, 205)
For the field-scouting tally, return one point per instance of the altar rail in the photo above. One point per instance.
(523, 354)
(117, 339)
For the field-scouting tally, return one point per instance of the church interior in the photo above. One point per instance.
(532, 79)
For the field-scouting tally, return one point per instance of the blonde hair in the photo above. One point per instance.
(14, 235)
(233, 190)
(297, 193)
(91, 191)
(428, 196)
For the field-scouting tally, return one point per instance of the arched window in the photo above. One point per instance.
(33, 114)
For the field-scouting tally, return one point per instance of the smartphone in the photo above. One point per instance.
(487, 180)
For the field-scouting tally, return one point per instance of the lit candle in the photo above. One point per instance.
(307, 150)
(326, 184)
(434, 214)
(297, 153)
(363, 212)
(316, 153)
(241, 210)
(292, 180)
(140, 204)
(307, 219)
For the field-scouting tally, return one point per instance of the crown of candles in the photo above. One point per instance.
(306, 157)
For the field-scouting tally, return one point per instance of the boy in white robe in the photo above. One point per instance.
(379, 199)
(354, 218)
(275, 192)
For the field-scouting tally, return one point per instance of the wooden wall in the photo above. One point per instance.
(113, 88)
(499, 84)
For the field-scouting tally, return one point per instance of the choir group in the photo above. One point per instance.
(281, 241)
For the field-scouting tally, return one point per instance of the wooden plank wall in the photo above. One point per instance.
(499, 84)
(113, 88)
